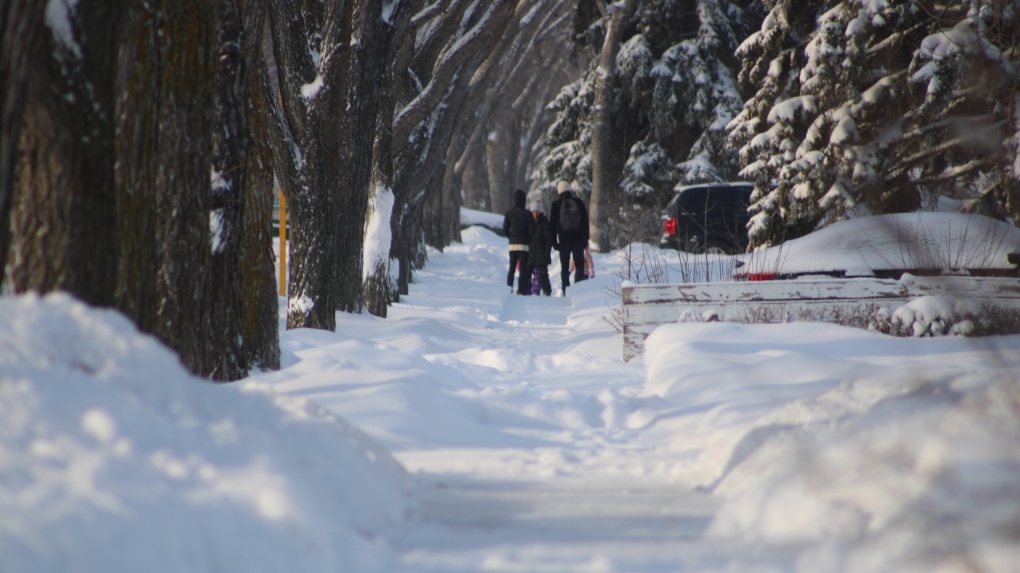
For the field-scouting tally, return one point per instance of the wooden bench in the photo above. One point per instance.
(645, 307)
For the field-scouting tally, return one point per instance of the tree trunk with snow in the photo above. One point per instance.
(379, 287)
(605, 178)
(329, 61)
(63, 208)
(226, 345)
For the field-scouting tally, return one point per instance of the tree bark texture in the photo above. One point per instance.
(605, 178)
(63, 208)
(311, 209)
(136, 147)
(183, 179)
(257, 266)
(188, 253)
(20, 33)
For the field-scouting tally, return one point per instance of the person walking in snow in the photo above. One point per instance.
(540, 253)
(519, 228)
(569, 220)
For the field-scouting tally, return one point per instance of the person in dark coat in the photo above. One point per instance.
(540, 253)
(519, 228)
(569, 220)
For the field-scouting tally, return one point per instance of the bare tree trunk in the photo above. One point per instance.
(136, 148)
(64, 204)
(261, 325)
(604, 177)
(475, 181)
(501, 153)
(20, 33)
(182, 180)
(449, 230)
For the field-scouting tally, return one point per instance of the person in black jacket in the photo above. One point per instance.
(540, 253)
(519, 228)
(569, 220)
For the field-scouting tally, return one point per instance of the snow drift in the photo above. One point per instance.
(113, 458)
(873, 453)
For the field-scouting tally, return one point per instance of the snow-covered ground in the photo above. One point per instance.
(474, 430)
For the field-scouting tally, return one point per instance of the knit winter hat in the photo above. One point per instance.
(561, 187)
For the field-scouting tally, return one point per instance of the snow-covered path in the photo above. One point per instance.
(543, 506)
(556, 525)
(525, 434)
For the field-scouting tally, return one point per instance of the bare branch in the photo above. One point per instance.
(447, 67)
(429, 12)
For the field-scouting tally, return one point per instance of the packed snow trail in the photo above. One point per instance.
(533, 508)
(525, 445)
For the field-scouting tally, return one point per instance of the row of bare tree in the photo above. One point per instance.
(140, 140)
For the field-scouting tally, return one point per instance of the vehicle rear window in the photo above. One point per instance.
(696, 200)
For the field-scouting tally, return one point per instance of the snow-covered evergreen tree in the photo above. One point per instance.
(566, 145)
(678, 91)
(870, 104)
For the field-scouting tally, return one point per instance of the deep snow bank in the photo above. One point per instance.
(877, 453)
(113, 458)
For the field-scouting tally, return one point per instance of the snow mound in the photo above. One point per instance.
(871, 453)
(114, 458)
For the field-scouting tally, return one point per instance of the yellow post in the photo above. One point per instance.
(283, 244)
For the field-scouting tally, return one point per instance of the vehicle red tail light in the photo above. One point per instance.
(669, 227)
(761, 276)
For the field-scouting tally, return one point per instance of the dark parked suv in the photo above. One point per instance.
(710, 218)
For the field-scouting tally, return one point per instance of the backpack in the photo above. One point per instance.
(570, 214)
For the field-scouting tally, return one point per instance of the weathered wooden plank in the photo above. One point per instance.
(646, 317)
(763, 291)
(963, 287)
(645, 307)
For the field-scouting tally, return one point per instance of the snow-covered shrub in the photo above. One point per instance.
(943, 316)
(695, 315)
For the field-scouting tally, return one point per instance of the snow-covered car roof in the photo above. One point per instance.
(682, 188)
(865, 247)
